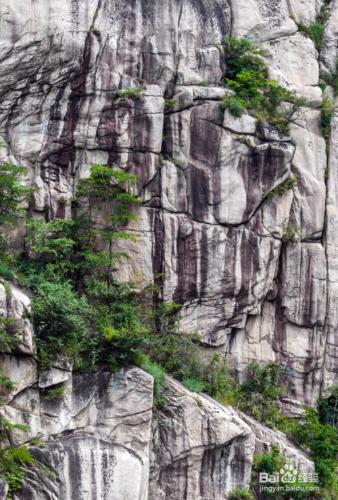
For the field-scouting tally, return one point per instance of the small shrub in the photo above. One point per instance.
(332, 79)
(12, 192)
(157, 372)
(283, 188)
(193, 384)
(247, 76)
(170, 103)
(315, 30)
(62, 322)
(13, 464)
(8, 334)
(134, 93)
(235, 105)
(259, 395)
(6, 427)
(291, 233)
(6, 385)
(240, 494)
(322, 440)
(327, 110)
(6, 272)
(328, 408)
(56, 392)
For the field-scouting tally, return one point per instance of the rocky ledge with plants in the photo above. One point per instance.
(168, 250)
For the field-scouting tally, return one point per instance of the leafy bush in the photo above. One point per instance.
(322, 440)
(6, 272)
(240, 494)
(193, 384)
(12, 193)
(62, 322)
(291, 233)
(315, 30)
(259, 395)
(327, 110)
(8, 333)
(328, 408)
(158, 374)
(132, 93)
(332, 79)
(6, 385)
(56, 392)
(247, 76)
(235, 105)
(283, 188)
(13, 464)
(170, 103)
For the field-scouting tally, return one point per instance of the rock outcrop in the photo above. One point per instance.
(103, 438)
(255, 271)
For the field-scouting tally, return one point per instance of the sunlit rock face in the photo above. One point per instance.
(104, 439)
(256, 272)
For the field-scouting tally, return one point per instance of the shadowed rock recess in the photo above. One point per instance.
(210, 232)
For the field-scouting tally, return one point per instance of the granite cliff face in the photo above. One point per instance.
(208, 234)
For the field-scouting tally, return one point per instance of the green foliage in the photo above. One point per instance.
(235, 105)
(269, 462)
(6, 427)
(6, 272)
(13, 460)
(62, 323)
(240, 494)
(327, 109)
(6, 385)
(13, 464)
(158, 374)
(272, 463)
(8, 333)
(181, 356)
(170, 103)
(79, 310)
(322, 440)
(107, 187)
(12, 193)
(315, 30)
(55, 392)
(331, 78)
(328, 408)
(283, 188)
(134, 93)
(291, 233)
(247, 76)
(259, 395)
(243, 55)
(193, 384)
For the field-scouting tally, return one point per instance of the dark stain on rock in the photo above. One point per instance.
(187, 258)
(158, 230)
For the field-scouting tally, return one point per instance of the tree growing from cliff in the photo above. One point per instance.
(108, 190)
(12, 195)
(79, 310)
(247, 77)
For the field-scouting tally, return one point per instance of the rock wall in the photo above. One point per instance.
(104, 438)
(208, 233)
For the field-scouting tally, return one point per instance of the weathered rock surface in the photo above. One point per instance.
(104, 439)
(211, 232)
